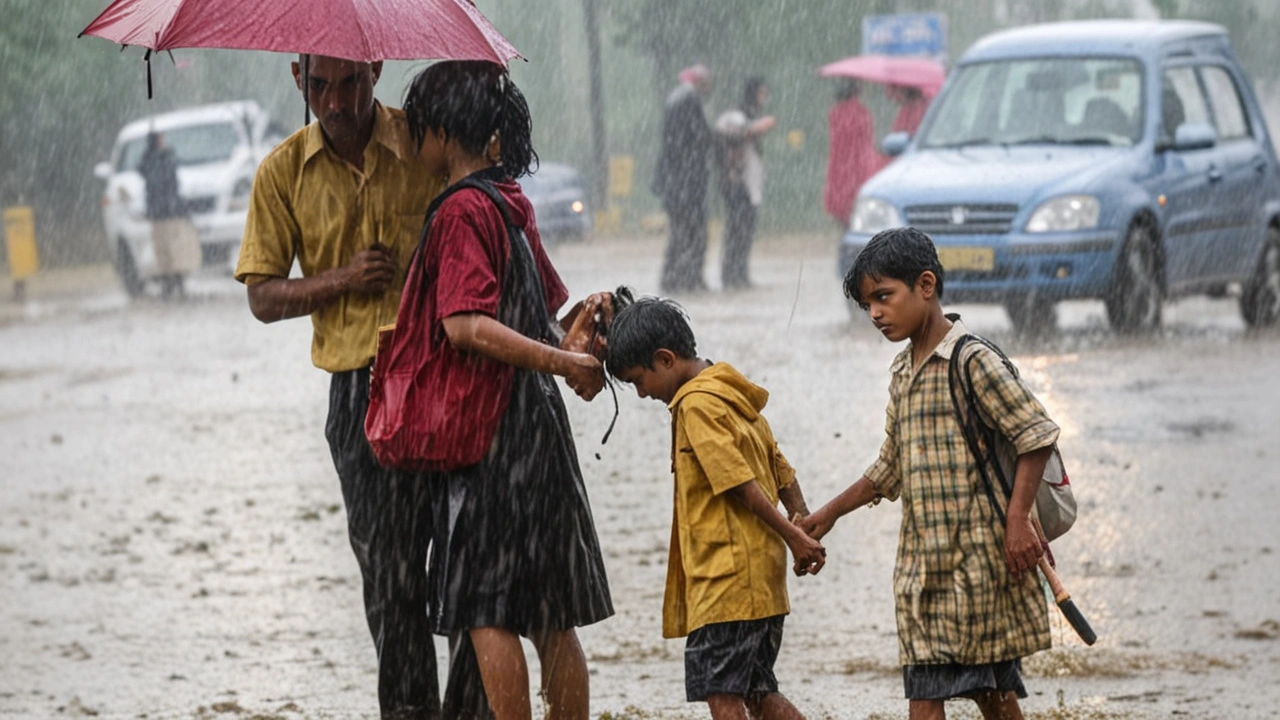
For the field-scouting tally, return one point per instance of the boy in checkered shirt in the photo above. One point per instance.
(967, 597)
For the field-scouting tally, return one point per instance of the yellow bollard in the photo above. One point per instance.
(20, 237)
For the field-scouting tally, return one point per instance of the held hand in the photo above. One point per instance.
(372, 270)
(817, 524)
(1022, 548)
(809, 554)
(585, 376)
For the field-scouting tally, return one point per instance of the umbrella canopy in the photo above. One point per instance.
(923, 73)
(360, 30)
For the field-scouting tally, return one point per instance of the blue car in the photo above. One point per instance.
(1121, 160)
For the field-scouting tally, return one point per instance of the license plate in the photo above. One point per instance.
(967, 258)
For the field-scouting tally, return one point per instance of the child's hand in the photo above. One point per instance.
(1022, 548)
(585, 376)
(809, 554)
(817, 524)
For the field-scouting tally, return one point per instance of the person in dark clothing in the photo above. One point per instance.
(681, 180)
(173, 237)
(739, 134)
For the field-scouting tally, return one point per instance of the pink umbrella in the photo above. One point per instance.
(927, 75)
(360, 30)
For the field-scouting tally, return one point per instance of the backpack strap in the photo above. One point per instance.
(964, 400)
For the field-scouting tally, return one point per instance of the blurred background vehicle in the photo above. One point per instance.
(559, 200)
(217, 149)
(1122, 160)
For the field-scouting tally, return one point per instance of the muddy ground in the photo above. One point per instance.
(172, 538)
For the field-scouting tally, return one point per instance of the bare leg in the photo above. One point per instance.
(565, 681)
(503, 671)
(728, 707)
(996, 705)
(774, 706)
(927, 710)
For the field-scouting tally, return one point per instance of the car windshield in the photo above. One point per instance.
(1079, 101)
(192, 145)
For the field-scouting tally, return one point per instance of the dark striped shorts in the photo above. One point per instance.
(940, 682)
(732, 658)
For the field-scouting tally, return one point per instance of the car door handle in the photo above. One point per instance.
(1260, 166)
(1214, 174)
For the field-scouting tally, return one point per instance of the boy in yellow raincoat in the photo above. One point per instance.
(726, 575)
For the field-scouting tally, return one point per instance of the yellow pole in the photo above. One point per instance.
(20, 238)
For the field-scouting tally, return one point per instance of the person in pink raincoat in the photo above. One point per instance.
(852, 157)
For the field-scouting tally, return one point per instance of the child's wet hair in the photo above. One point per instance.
(473, 102)
(643, 328)
(899, 254)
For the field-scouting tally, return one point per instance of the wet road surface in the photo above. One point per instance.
(172, 538)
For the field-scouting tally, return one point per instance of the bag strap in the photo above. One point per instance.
(960, 379)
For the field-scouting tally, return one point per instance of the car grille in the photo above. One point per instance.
(961, 219)
(202, 204)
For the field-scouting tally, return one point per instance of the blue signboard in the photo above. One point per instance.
(906, 34)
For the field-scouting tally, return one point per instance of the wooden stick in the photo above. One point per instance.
(1061, 596)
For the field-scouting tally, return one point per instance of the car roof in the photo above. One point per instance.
(1088, 37)
(197, 115)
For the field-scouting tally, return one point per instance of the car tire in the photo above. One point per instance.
(1135, 297)
(127, 269)
(1260, 301)
(1032, 315)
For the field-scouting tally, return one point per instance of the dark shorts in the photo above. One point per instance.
(732, 658)
(941, 682)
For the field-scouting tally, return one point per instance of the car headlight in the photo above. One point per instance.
(871, 215)
(240, 195)
(1064, 214)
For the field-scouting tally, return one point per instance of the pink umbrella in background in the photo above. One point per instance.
(360, 30)
(917, 72)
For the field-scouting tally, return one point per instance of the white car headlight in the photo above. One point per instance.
(1064, 214)
(871, 215)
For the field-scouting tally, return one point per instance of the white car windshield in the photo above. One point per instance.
(1083, 101)
(192, 145)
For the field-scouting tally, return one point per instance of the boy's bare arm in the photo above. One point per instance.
(1022, 548)
(792, 498)
(809, 554)
(820, 522)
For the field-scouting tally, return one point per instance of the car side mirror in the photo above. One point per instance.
(895, 143)
(102, 170)
(1194, 136)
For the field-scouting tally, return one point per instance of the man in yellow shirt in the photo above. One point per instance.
(346, 197)
(726, 574)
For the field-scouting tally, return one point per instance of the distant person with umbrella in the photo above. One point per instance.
(344, 197)
(173, 237)
(852, 157)
(912, 104)
(681, 180)
(740, 133)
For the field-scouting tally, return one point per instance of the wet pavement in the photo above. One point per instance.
(172, 538)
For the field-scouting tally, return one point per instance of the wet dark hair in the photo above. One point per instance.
(899, 254)
(472, 101)
(848, 87)
(643, 328)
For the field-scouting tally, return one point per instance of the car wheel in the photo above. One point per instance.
(1260, 302)
(127, 269)
(1134, 300)
(1032, 315)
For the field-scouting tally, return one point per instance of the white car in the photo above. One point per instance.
(217, 148)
